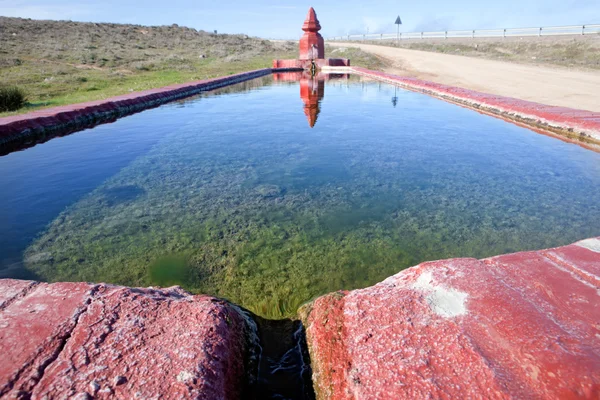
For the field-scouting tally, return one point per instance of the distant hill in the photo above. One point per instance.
(127, 46)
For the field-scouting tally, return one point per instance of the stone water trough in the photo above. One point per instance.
(522, 326)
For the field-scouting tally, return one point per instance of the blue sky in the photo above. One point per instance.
(283, 19)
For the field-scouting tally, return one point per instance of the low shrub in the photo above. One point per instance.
(11, 98)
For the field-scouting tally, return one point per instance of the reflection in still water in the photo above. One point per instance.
(312, 90)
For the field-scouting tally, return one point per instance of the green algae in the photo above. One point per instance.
(271, 216)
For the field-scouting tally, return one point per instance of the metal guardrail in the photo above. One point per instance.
(479, 33)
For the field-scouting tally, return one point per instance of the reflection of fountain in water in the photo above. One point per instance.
(312, 90)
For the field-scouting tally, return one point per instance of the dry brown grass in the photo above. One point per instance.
(128, 47)
(582, 52)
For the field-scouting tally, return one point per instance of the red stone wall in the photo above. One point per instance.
(522, 326)
(306, 64)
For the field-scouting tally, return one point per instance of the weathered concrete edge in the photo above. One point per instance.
(39, 126)
(573, 124)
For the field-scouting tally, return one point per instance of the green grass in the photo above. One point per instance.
(56, 85)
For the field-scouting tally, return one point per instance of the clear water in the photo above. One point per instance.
(233, 194)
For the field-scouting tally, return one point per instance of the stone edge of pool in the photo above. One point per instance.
(26, 130)
(579, 125)
(522, 325)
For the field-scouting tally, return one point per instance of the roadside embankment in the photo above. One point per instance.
(557, 86)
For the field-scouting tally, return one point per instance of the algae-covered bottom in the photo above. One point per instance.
(233, 194)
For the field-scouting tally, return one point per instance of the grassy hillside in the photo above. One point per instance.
(60, 62)
(63, 62)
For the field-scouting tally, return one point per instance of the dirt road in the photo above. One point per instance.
(546, 85)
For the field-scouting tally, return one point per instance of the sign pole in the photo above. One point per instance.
(398, 22)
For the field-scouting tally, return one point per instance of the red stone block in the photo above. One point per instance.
(516, 326)
(289, 64)
(77, 340)
(63, 118)
(48, 122)
(8, 131)
(12, 289)
(338, 62)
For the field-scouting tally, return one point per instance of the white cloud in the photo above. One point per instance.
(56, 12)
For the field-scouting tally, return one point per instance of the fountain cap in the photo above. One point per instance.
(311, 24)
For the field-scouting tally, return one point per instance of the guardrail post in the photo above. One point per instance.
(540, 34)
(583, 30)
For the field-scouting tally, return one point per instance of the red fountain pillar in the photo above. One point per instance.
(312, 45)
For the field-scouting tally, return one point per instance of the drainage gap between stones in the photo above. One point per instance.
(283, 366)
